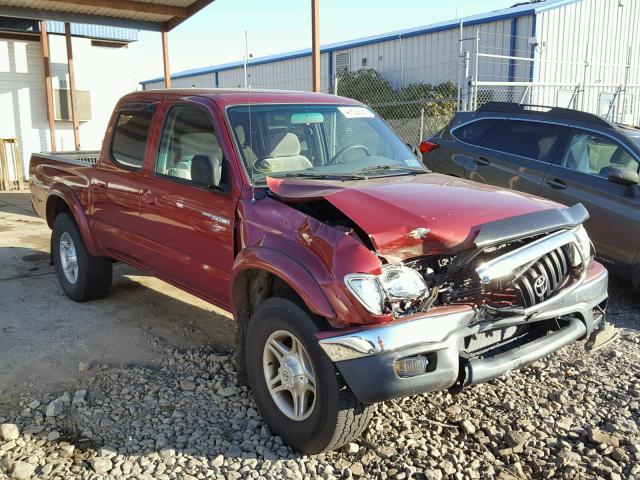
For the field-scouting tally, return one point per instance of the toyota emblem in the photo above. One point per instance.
(540, 286)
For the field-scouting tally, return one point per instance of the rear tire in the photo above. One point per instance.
(332, 416)
(82, 276)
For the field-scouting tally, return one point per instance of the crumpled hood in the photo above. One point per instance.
(389, 209)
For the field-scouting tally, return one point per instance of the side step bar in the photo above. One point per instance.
(479, 370)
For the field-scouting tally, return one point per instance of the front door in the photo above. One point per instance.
(581, 177)
(187, 216)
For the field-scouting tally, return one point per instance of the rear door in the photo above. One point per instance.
(581, 177)
(187, 213)
(117, 183)
(516, 155)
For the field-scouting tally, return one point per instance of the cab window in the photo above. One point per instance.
(596, 155)
(189, 148)
(130, 138)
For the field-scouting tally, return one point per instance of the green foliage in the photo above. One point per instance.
(369, 87)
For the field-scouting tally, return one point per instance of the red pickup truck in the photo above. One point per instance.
(355, 274)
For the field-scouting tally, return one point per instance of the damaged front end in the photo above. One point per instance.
(525, 288)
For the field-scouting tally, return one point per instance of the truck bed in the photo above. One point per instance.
(60, 170)
(84, 158)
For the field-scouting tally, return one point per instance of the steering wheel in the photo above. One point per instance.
(334, 159)
(259, 166)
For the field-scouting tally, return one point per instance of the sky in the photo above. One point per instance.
(216, 34)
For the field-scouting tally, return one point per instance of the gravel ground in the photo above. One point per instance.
(573, 415)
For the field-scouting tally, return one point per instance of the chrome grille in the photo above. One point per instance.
(544, 278)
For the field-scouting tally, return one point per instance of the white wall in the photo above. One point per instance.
(105, 72)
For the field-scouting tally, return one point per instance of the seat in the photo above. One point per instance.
(249, 156)
(578, 155)
(206, 169)
(284, 155)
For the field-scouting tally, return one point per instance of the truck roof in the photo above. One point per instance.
(235, 96)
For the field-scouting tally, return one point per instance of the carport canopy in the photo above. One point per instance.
(154, 15)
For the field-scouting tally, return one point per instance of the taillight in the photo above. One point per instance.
(426, 146)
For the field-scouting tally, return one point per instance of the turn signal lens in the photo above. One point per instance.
(367, 290)
(411, 366)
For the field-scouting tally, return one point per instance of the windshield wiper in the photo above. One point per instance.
(322, 176)
(390, 168)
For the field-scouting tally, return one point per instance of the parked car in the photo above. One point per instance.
(563, 155)
(355, 275)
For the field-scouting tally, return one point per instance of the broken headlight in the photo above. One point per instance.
(395, 284)
(583, 243)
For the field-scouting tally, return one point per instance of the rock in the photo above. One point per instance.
(79, 398)
(83, 366)
(433, 474)
(187, 386)
(567, 458)
(599, 437)
(107, 452)
(55, 408)
(218, 461)
(34, 404)
(23, 470)
(357, 469)
(515, 439)
(167, 453)
(352, 448)
(53, 436)
(100, 465)
(227, 391)
(468, 427)
(9, 431)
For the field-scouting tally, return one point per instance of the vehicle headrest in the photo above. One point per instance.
(240, 134)
(284, 144)
(202, 170)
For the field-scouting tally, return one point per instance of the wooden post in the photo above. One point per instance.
(165, 57)
(315, 44)
(48, 89)
(5, 183)
(72, 86)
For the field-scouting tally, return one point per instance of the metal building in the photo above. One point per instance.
(576, 53)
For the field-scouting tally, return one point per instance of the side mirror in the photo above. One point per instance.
(415, 151)
(626, 178)
(623, 177)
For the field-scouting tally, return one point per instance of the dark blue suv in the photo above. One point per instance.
(563, 155)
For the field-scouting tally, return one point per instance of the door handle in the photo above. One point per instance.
(481, 161)
(556, 183)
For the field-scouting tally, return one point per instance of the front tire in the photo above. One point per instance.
(82, 276)
(295, 385)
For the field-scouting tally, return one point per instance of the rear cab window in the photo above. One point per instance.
(130, 135)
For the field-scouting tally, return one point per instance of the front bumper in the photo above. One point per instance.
(366, 356)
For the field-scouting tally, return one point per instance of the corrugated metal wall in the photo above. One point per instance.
(430, 57)
(598, 31)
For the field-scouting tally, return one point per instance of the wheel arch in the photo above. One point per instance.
(60, 200)
(260, 273)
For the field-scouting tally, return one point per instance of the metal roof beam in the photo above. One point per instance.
(131, 6)
(192, 9)
(36, 14)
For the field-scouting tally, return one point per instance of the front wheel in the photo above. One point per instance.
(81, 275)
(295, 385)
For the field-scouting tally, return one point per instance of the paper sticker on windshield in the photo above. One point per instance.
(356, 112)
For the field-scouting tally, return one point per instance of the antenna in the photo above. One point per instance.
(246, 58)
(248, 88)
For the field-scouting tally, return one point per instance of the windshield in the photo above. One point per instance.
(318, 141)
